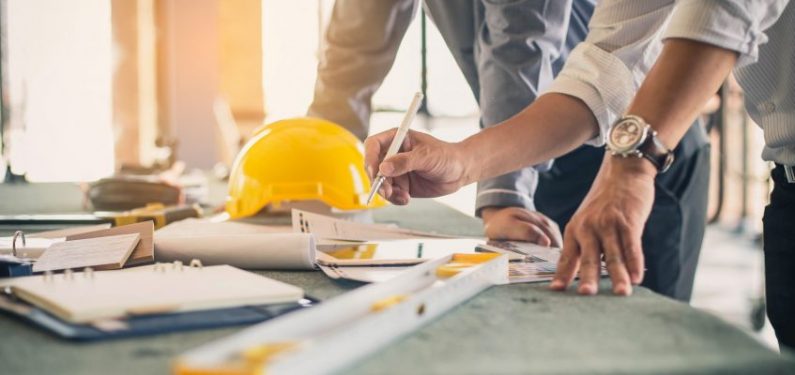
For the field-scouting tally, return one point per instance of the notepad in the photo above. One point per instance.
(110, 252)
(84, 297)
(143, 253)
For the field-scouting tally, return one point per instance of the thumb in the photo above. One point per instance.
(401, 164)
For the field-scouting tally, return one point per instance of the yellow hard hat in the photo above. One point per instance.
(296, 160)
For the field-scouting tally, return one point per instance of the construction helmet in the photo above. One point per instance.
(299, 159)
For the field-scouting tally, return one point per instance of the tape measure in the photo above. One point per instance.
(160, 214)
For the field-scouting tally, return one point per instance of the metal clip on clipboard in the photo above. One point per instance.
(319, 340)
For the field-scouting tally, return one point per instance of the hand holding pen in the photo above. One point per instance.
(424, 167)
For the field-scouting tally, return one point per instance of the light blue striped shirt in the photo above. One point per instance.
(606, 70)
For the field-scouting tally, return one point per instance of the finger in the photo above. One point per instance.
(633, 254)
(401, 164)
(535, 235)
(556, 238)
(400, 196)
(545, 224)
(530, 232)
(375, 148)
(386, 188)
(568, 263)
(400, 190)
(614, 259)
(589, 262)
(518, 230)
(406, 145)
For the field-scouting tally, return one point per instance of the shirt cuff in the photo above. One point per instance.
(733, 25)
(502, 198)
(515, 189)
(601, 80)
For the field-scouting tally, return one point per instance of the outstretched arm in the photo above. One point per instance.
(428, 167)
(610, 221)
(596, 84)
(553, 125)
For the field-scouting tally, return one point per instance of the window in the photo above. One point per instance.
(59, 89)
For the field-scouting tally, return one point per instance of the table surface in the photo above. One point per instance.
(521, 328)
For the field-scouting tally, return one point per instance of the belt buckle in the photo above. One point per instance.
(790, 173)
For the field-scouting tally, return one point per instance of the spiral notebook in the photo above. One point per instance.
(83, 297)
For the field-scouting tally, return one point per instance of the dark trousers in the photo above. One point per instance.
(675, 229)
(779, 238)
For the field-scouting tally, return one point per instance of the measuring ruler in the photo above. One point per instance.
(322, 339)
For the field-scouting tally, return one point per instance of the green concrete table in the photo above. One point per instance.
(515, 329)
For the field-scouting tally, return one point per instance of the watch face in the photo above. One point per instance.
(626, 135)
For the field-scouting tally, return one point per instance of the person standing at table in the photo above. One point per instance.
(509, 51)
(624, 87)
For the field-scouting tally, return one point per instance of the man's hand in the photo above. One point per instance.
(519, 224)
(425, 167)
(609, 224)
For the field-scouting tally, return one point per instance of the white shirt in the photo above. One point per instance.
(606, 70)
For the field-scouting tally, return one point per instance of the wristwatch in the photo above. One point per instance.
(632, 136)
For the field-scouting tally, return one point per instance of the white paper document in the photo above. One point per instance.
(537, 264)
(241, 245)
(374, 274)
(332, 228)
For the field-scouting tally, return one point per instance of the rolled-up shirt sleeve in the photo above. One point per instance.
(625, 39)
(601, 81)
(607, 68)
(737, 25)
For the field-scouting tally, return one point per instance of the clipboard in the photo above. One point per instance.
(147, 325)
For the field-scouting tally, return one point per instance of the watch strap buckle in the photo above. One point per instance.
(788, 170)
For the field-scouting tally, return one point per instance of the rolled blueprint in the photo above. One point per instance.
(237, 244)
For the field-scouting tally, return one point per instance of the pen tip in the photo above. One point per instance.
(369, 198)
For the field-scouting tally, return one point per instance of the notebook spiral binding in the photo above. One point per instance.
(88, 272)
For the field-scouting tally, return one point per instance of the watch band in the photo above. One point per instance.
(655, 151)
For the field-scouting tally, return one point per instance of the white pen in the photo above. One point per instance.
(397, 141)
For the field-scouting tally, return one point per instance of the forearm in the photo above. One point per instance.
(685, 76)
(552, 126)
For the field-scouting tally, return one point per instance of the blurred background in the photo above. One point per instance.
(92, 87)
